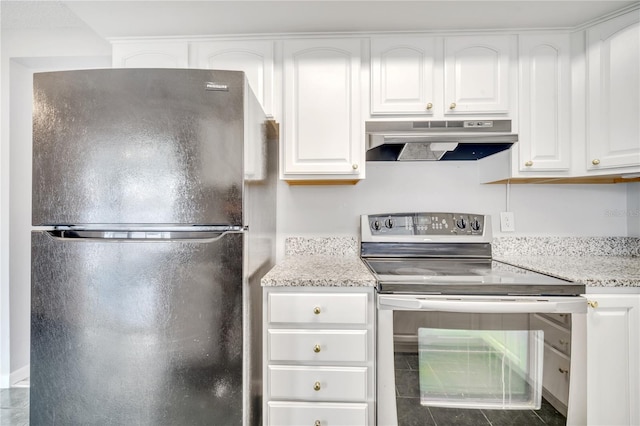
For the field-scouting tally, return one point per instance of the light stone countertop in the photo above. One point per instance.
(319, 271)
(593, 271)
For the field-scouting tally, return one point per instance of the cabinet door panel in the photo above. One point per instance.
(322, 126)
(477, 74)
(254, 57)
(544, 103)
(402, 75)
(613, 373)
(614, 83)
(151, 55)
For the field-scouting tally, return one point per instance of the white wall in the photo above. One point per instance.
(565, 210)
(23, 52)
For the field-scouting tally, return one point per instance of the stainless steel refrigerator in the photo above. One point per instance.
(154, 211)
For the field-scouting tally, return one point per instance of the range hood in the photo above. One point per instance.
(437, 140)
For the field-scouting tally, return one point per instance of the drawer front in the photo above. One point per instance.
(555, 374)
(317, 345)
(343, 384)
(318, 308)
(316, 414)
(554, 335)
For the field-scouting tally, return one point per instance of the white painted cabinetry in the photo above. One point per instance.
(254, 57)
(323, 135)
(152, 54)
(439, 76)
(613, 359)
(544, 142)
(319, 356)
(613, 93)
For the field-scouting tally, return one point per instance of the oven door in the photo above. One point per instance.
(474, 359)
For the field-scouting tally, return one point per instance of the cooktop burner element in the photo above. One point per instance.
(446, 253)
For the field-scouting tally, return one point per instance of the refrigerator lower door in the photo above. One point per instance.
(136, 332)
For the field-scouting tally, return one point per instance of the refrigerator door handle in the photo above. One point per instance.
(143, 235)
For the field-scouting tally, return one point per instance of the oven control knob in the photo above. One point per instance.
(462, 224)
(375, 225)
(475, 225)
(389, 223)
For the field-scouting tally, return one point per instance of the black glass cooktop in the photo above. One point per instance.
(464, 276)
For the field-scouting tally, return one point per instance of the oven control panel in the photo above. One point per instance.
(402, 224)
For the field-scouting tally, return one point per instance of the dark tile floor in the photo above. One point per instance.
(14, 407)
(411, 413)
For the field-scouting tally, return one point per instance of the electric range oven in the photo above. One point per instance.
(464, 339)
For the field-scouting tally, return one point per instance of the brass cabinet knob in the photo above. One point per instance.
(316, 310)
(592, 303)
(317, 423)
(563, 370)
(529, 163)
(453, 105)
(354, 166)
(316, 386)
(429, 105)
(595, 161)
(563, 342)
(316, 348)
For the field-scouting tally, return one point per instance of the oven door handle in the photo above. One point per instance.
(491, 305)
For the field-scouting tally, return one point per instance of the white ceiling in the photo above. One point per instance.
(119, 18)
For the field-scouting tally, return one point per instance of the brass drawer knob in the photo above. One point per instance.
(317, 423)
(592, 303)
(316, 348)
(429, 106)
(316, 386)
(595, 161)
(453, 105)
(529, 163)
(354, 166)
(316, 310)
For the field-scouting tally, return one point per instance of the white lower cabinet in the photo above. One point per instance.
(613, 359)
(319, 356)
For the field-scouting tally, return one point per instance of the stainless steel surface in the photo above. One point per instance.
(136, 332)
(157, 190)
(437, 140)
(146, 146)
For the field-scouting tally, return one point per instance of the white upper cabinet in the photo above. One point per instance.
(254, 57)
(545, 108)
(323, 137)
(613, 78)
(440, 76)
(403, 75)
(150, 55)
(477, 73)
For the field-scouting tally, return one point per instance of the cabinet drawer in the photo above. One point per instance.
(555, 374)
(341, 384)
(318, 308)
(321, 414)
(554, 335)
(317, 345)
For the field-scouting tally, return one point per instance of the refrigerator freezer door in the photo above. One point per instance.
(138, 146)
(136, 332)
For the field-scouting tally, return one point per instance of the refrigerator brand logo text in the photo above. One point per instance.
(217, 86)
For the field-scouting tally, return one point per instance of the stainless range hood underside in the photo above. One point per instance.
(437, 140)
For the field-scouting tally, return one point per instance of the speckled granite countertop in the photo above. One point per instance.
(595, 261)
(319, 271)
(593, 271)
(611, 262)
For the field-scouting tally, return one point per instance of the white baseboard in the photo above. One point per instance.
(20, 377)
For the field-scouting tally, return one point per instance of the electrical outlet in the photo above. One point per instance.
(507, 222)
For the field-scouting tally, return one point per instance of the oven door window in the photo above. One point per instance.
(499, 369)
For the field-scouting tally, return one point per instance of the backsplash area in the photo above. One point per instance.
(332, 246)
(566, 246)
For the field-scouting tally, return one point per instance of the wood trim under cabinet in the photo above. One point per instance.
(570, 180)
